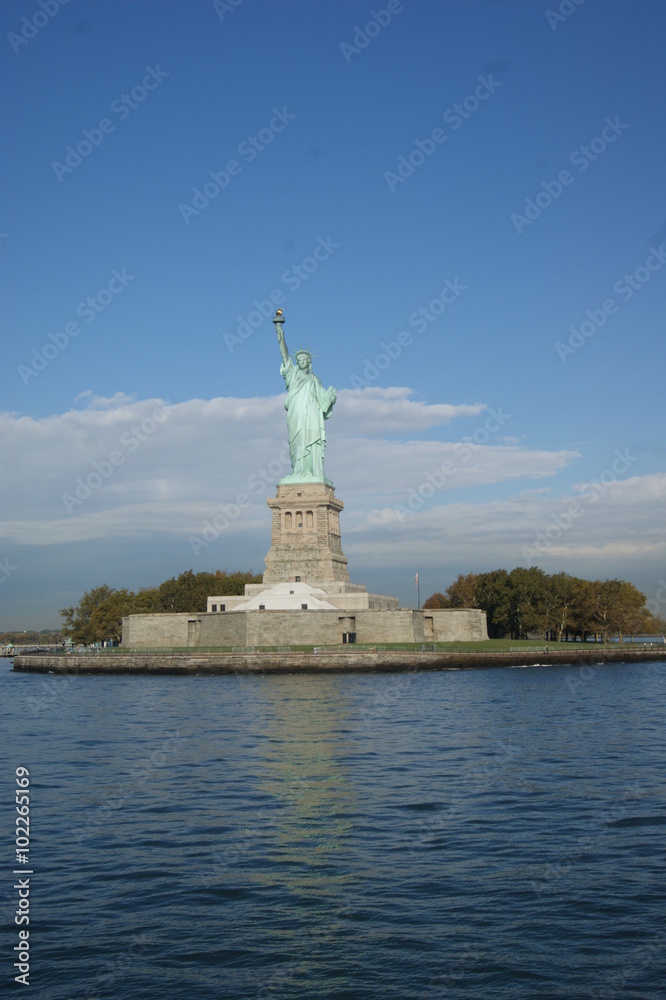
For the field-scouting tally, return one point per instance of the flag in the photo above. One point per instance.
(416, 581)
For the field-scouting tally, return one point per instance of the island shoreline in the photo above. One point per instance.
(321, 661)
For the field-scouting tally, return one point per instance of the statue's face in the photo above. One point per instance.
(303, 361)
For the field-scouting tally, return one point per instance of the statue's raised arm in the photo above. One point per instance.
(280, 336)
(308, 405)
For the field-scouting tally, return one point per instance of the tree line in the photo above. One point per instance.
(518, 604)
(557, 607)
(30, 637)
(98, 615)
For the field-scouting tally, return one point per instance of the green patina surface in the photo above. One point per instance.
(308, 405)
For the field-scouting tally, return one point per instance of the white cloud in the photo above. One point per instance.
(377, 411)
(156, 473)
(120, 467)
(624, 525)
(391, 470)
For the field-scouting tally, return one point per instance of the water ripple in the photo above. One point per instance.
(486, 833)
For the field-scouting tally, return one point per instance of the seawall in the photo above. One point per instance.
(324, 661)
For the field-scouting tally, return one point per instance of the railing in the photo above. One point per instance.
(414, 647)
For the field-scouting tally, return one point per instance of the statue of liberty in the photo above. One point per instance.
(308, 405)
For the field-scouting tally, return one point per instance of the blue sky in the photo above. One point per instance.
(530, 140)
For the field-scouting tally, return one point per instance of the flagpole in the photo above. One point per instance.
(418, 589)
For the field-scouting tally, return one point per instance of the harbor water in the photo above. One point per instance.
(489, 833)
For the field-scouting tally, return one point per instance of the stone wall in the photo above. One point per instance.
(294, 628)
(348, 660)
(225, 629)
(459, 625)
(305, 538)
(387, 626)
(303, 628)
(155, 630)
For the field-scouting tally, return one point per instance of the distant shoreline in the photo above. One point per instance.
(323, 661)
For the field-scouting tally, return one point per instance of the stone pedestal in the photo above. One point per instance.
(305, 541)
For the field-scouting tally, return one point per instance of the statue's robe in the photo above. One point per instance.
(307, 404)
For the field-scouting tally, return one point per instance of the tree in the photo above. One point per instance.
(487, 591)
(526, 601)
(77, 620)
(529, 600)
(233, 583)
(617, 607)
(98, 615)
(106, 621)
(147, 601)
(436, 601)
(492, 590)
(561, 595)
(654, 624)
(181, 594)
(462, 593)
(30, 637)
(190, 591)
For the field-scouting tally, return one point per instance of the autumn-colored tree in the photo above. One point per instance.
(462, 592)
(106, 621)
(147, 601)
(562, 594)
(436, 601)
(614, 607)
(655, 625)
(487, 591)
(77, 620)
